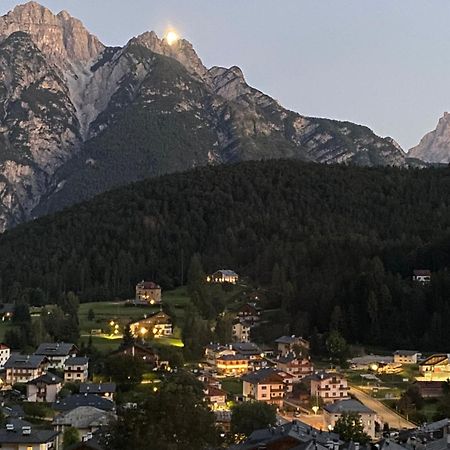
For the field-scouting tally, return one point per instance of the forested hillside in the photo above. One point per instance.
(336, 245)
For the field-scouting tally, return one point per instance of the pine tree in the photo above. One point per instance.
(128, 338)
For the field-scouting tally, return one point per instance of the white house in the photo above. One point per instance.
(422, 276)
(334, 411)
(406, 356)
(57, 353)
(241, 331)
(5, 353)
(76, 369)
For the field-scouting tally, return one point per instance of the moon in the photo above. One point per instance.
(172, 37)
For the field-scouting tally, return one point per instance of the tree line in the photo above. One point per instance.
(334, 245)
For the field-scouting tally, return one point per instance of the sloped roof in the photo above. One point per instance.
(19, 361)
(36, 436)
(346, 406)
(406, 352)
(6, 308)
(148, 285)
(77, 361)
(262, 376)
(97, 388)
(84, 417)
(433, 360)
(213, 391)
(422, 272)
(47, 378)
(226, 272)
(56, 349)
(246, 347)
(75, 400)
(295, 429)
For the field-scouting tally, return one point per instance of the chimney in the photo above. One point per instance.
(356, 445)
(448, 441)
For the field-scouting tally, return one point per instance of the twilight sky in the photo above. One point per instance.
(381, 63)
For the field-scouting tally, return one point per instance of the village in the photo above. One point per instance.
(69, 393)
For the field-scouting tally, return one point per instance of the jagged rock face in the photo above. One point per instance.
(256, 116)
(38, 126)
(77, 118)
(61, 38)
(434, 147)
(180, 50)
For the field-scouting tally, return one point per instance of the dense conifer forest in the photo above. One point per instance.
(334, 245)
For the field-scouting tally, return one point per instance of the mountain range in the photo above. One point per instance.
(78, 118)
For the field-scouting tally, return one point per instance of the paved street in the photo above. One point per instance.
(385, 414)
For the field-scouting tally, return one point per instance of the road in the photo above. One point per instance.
(385, 414)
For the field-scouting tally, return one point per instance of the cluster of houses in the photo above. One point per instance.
(273, 376)
(285, 377)
(297, 435)
(432, 370)
(45, 373)
(62, 357)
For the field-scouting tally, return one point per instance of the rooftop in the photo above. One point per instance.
(289, 339)
(148, 285)
(56, 349)
(16, 436)
(297, 430)
(344, 406)
(6, 308)
(438, 358)
(84, 417)
(213, 391)
(246, 347)
(263, 375)
(18, 361)
(75, 400)
(97, 388)
(325, 376)
(227, 272)
(422, 273)
(77, 361)
(47, 378)
(406, 352)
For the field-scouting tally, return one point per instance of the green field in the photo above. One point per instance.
(102, 331)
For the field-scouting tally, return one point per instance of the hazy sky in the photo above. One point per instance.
(382, 63)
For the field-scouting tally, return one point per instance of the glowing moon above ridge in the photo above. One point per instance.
(172, 37)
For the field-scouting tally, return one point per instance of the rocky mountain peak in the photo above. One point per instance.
(434, 147)
(228, 83)
(60, 37)
(181, 50)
